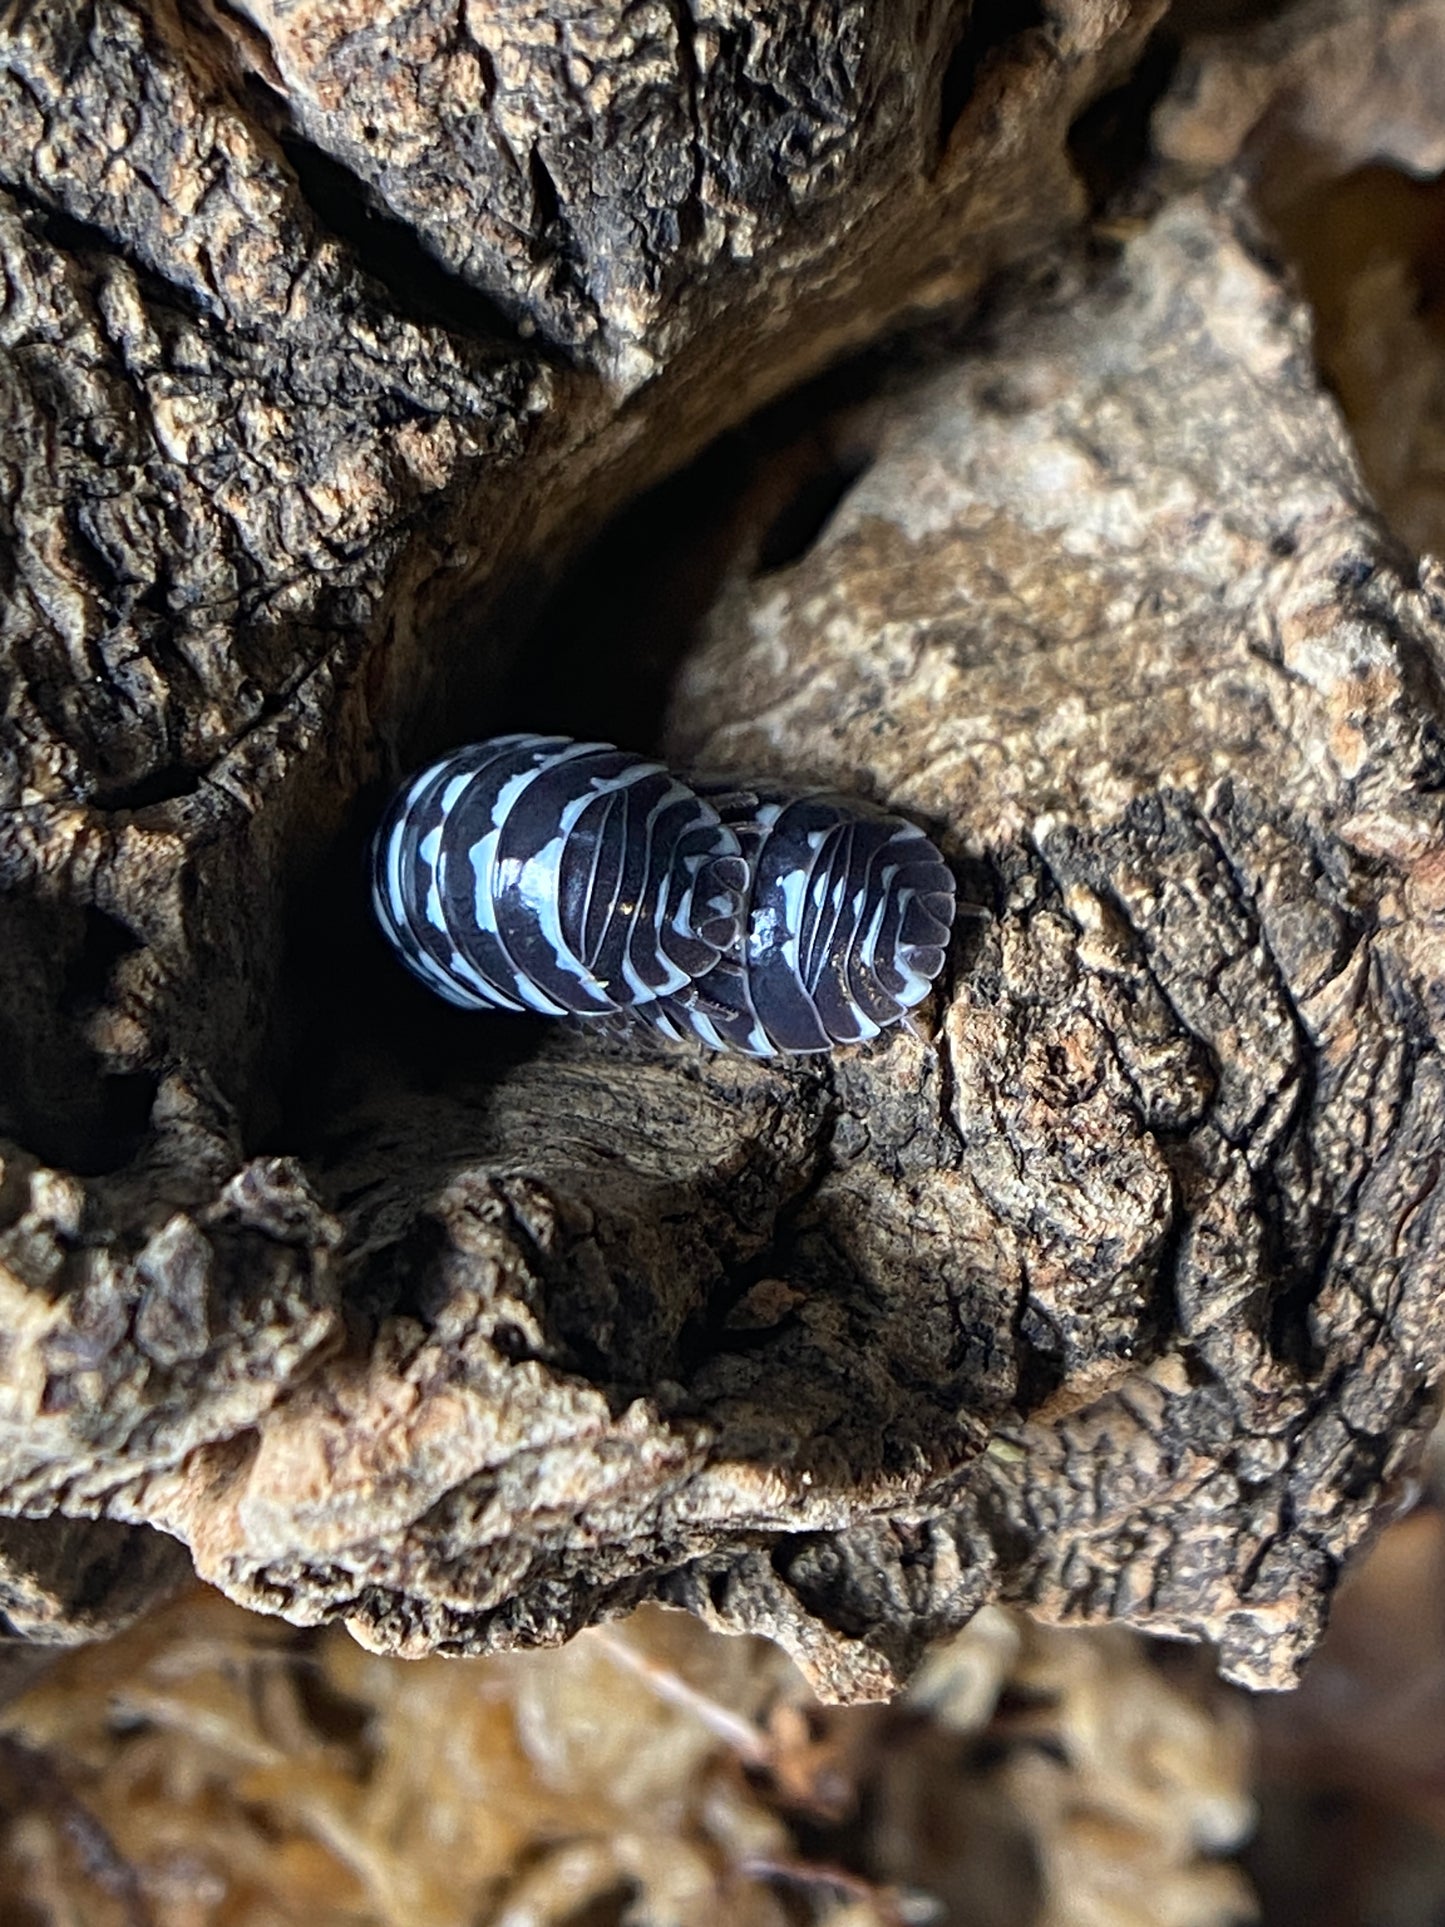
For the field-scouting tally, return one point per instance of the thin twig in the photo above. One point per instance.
(900, 1909)
(746, 1740)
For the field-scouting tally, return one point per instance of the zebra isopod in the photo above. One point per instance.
(574, 879)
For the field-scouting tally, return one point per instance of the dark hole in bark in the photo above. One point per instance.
(991, 25)
(1109, 142)
(114, 1132)
(603, 655)
(105, 940)
(55, 1094)
(811, 1565)
(401, 1280)
(97, 1126)
(1041, 1373)
(803, 518)
(546, 202)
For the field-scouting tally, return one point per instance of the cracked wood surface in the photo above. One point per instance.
(325, 331)
(1109, 605)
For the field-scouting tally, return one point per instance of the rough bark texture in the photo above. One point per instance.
(1109, 606)
(1115, 1294)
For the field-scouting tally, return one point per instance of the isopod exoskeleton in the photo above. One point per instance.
(846, 925)
(535, 873)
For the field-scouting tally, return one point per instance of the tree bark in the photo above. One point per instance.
(328, 330)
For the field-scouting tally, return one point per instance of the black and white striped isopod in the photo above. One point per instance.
(535, 873)
(847, 921)
(532, 872)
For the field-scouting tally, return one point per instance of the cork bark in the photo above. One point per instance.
(330, 332)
